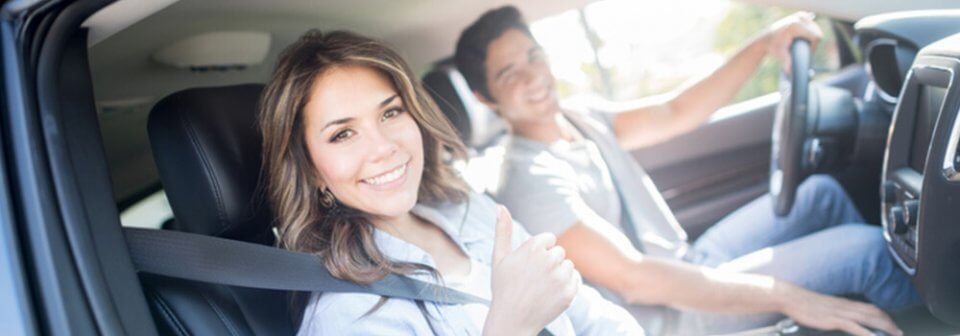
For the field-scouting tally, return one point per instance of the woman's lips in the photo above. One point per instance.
(389, 180)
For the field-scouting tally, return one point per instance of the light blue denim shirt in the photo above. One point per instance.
(471, 225)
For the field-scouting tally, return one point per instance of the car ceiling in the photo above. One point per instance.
(423, 31)
(127, 81)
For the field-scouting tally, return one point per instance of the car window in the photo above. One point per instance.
(624, 50)
(151, 212)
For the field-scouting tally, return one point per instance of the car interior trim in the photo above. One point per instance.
(883, 94)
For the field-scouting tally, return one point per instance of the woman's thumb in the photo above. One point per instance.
(503, 239)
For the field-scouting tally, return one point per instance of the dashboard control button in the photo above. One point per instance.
(889, 192)
(911, 212)
(895, 219)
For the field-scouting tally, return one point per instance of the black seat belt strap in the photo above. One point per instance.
(235, 263)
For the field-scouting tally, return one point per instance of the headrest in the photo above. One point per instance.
(479, 127)
(439, 84)
(207, 148)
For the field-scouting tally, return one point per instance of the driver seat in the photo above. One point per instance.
(478, 126)
(480, 129)
(207, 148)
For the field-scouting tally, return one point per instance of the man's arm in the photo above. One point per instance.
(604, 256)
(652, 121)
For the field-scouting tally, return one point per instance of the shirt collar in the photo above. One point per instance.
(452, 218)
(455, 219)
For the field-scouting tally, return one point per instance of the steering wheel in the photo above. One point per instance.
(790, 131)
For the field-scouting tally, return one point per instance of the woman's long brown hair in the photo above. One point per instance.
(344, 238)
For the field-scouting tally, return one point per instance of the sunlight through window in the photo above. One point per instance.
(624, 49)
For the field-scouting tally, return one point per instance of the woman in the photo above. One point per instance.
(354, 155)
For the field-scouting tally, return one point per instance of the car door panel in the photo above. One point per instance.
(705, 174)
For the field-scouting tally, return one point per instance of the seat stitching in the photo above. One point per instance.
(220, 314)
(168, 313)
(236, 298)
(207, 170)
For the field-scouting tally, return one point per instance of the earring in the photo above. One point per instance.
(326, 198)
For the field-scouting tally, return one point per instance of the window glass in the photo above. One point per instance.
(150, 213)
(565, 42)
(625, 49)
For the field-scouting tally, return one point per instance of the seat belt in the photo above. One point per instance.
(626, 220)
(223, 261)
(236, 263)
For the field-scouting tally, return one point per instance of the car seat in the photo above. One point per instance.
(207, 148)
(478, 126)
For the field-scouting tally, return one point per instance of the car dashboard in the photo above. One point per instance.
(891, 42)
(914, 62)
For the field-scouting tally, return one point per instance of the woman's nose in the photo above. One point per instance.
(383, 146)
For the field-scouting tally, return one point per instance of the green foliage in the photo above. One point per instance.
(743, 22)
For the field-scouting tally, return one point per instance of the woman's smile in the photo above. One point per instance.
(388, 180)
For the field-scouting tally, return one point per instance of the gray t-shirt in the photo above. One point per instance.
(551, 187)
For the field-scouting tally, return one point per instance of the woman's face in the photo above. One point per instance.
(366, 146)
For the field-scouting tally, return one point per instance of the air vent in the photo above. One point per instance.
(881, 54)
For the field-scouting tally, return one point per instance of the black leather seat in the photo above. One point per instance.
(477, 125)
(207, 150)
(439, 84)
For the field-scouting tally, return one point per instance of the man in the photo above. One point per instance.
(568, 172)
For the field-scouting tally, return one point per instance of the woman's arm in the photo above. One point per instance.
(531, 285)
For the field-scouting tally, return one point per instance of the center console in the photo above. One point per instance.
(921, 184)
(916, 115)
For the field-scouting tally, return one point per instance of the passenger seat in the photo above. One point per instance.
(207, 150)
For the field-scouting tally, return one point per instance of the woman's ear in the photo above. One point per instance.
(316, 179)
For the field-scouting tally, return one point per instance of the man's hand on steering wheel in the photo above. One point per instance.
(792, 40)
(782, 33)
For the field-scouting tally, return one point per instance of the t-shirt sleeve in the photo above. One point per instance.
(541, 194)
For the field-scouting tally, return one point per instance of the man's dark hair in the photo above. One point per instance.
(471, 53)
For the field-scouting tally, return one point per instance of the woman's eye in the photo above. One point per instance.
(341, 136)
(393, 112)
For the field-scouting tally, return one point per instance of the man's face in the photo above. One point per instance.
(519, 79)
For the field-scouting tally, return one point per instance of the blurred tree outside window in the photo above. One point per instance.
(626, 49)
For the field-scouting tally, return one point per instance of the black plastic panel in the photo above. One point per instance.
(921, 192)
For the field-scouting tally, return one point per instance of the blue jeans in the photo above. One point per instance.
(821, 245)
